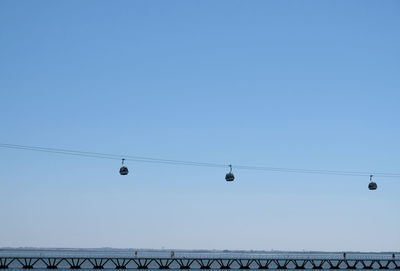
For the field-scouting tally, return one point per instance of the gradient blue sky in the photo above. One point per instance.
(305, 84)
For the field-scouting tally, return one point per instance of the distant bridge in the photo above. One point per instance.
(266, 262)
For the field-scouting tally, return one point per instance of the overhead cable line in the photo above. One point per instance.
(194, 163)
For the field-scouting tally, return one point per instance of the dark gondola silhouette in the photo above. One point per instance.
(372, 185)
(229, 177)
(123, 170)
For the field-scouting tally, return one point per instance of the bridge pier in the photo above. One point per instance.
(351, 264)
(51, 263)
(334, 264)
(384, 266)
(5, 262)
(368, 265)
(224, 264)
(317, 264)
(263, 264)
(142, 264)
(184, 264)
(300, 264)
(28, 263)
(205, 263)
(98, 263)
(280, 265)
(163, 263)
(244, 264)
(120, 263)
(75, 263)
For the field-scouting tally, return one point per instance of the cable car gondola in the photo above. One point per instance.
(229, 177)
(123, 170)
(372, 185)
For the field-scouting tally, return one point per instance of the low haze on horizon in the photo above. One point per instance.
(291, 84)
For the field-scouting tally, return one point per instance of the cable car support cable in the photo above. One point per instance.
(195, 163)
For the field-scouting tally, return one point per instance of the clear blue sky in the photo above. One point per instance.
(304, 84)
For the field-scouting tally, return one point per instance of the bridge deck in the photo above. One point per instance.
(278, 262)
